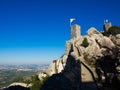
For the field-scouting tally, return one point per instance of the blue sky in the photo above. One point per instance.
(35, 31)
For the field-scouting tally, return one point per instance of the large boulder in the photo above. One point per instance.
(117, 39)
(106, 42)
(93, 31)
(51, 69)
(41, 76)
(93, 51)
(56, 66)
(18, 86)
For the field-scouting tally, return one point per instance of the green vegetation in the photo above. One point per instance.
(36, 83)
(17, 79)
(112, 31)
(34, 80)
(9, 76)
(85, 43)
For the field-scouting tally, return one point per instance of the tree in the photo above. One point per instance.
(36, 83)
(112, 31)
(85, 43)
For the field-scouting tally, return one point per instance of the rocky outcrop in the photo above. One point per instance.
(68, 79)
(18, 86)
(56, 66)
(93, 31)
(98, 47)
(115, 39)
(41, 76)
(106, 42)
(67, 75)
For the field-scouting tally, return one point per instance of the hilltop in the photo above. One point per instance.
(89, 61)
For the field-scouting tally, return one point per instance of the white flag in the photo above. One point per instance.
(72, 19)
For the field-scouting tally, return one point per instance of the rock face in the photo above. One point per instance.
(118, 39)
(93, 31)
(19, 84)
(68, 79)
(57, 66)
(41, 76)
(98, 46)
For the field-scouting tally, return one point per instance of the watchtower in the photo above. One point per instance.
(75, 31)
(107, 25)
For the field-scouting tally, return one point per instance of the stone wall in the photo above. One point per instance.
(75, 31)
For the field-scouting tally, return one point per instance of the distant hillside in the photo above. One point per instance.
(18, 73)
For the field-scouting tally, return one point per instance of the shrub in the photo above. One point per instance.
(36, 83)
(85, 43)
(112, 31)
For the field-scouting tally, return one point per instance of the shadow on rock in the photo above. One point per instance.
(57, 82)
(106, 67)
(68, 79)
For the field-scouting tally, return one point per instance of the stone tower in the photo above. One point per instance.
(75, 31)
(106, 25)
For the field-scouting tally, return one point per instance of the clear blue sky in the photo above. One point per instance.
(35, 31)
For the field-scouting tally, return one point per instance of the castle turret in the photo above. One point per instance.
(75, 31)
(106, 25)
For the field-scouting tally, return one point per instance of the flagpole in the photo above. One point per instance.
(71, 20)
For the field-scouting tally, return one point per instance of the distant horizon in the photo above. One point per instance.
(35, 31)
(25, 64)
